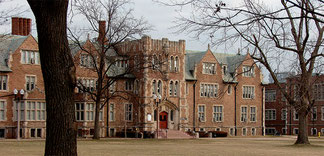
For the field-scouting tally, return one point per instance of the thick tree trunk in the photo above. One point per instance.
(96, 134)
(59, 76)
(302, 128)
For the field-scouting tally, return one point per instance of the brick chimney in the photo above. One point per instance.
(20, 26)
(102, 30)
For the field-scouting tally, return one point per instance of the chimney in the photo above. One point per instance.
(20, 26)
(102, 30)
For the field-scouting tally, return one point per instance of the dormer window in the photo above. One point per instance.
(248, 71)
(224, 69)
(86, 61)
(30, 57)
(209, 68)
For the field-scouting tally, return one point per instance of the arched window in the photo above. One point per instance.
(154, 87)
(176, 88)
(171, 64)
(176, 64)
(171, 88)
(159, 87)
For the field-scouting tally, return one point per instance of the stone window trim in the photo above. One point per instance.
(128, 113)
(3, 110)
(174, 64)
(313, 118)
(2, 84)
(246, 131)
(296, 115)
(24, 109)
(31, 87)
(111, 112)
(270, 111)
(284, 117)
(88, 82)
(322, 113)
(322, 130)
(255, 131)
(229, 89)
(294, 131)
(199, 113)
(251, 94)
(248, 71)
(209, 68)
(32, 57)
(209, 90)
(255, 114)
(312, 131)
(82, 113)
(214, 113)
(231, 131)
(242, 114)
(174, 88)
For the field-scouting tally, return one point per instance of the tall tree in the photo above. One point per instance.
(121, 25)
(293, 30)
(59, 75)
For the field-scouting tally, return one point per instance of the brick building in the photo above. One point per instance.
(194, 90)
(282, 118)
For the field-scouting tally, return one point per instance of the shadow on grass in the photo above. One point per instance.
(303, 146)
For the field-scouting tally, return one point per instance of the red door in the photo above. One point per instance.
(163, 120)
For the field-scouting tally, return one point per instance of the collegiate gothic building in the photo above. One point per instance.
(169, 88)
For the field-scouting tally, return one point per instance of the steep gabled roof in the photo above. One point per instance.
(192, 58)
(9, 44)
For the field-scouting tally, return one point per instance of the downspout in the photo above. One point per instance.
(194, 106)
(235, 124)
(107, 105)
(262, 119)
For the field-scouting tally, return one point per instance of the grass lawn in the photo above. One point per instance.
(282, 146)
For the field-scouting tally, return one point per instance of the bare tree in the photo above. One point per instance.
(293, 30)
(59, 75)
(106, 54)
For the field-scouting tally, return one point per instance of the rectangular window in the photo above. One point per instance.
(3, 110)
(30, 57)
(252, 114)
(296, 117)
(253, 131)
(2, 133)
(32, 133)
(248, 92)
(314, 131)
(208, 90)
(218, 114)
(39, 133)
(3, 82)
(270, 95)
(243, 114)
(90, 111)
(296, 131)
(41, 111)
(22, 111)
(112, 87)
(232, 131)
(284, 131)
(270, 131)
(79, 111)
(128, 112)
(248, 71)
(31, 110)
(270, 114)
(284, 114)
(314, 113)
(209, 68)
(129, 85)
(171, 115)
(111, 112)
(322, 113)
(86, 61)
(244, 131)
(201, 113)
(30, 82)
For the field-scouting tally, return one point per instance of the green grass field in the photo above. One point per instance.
(282, 146)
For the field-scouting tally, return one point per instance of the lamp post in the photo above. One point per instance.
(18, 96)
(157, 100)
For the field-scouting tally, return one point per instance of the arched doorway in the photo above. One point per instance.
(163, 120)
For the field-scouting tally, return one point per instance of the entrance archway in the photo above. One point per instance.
(163, 120)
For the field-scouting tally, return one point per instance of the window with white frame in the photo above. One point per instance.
(176, 88)
(176, 64)
(41, 111)
(270, 131)
(243, 114)
(248, 92)
(284, 131)
(154, 87)
(209, 68)
(86, 85)
(35, 111)
(248, 71)
(90, 111)
(159, 87)
(79, 111)
(270, 95)
(314, 131)
(284, 114)
(136, 87)
(30, 57)
(31, 111)
(171, 64)
(112, 87)
(252, 114)
(253, 131)
(3, 82)
(296, 116)
(218, 113)
(224, 69)
(244, 131)
(22, 111)
(121, 63)
(129, 85)
(3, 105)
(208, 90)
(270, 114)
(314, 113)
(86, 60)
(318, 92)
(201, 113)
(232, 131)
(30, 82)
(111, 112)
(322, 131)
(128, 112)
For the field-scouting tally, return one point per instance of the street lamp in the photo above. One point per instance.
(18, 96)
(157, 100)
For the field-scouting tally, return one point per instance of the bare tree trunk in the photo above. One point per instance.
(302, 128)
(59, 76)
(96, 134)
